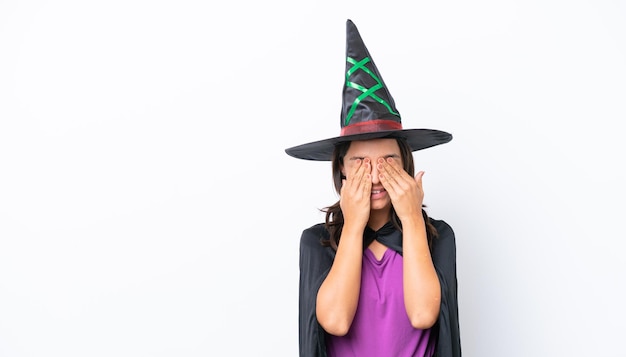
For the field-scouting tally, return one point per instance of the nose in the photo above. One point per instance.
(375, 178)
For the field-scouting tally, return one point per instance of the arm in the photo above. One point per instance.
(422, 291)
(338, 296)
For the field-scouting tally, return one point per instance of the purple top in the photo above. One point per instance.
(381, 327)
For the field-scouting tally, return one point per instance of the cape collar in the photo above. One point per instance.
(388, 235)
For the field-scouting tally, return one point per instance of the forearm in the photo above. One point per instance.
(422, 291)
(338, 295)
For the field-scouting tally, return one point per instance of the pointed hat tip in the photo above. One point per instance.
(351, 28)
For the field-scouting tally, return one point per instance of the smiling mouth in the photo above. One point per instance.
(377, 191)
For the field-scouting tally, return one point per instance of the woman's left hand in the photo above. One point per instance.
(406, 192)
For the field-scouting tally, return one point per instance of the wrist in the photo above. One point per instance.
(353, 230)
(416, 220)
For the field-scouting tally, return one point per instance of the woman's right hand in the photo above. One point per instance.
(355, 194)
(338, 296)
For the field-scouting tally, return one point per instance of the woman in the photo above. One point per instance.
(378, 277)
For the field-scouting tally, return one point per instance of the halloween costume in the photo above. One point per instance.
(316, 260)
(368, 112)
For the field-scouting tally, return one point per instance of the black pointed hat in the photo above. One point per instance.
(368, 110)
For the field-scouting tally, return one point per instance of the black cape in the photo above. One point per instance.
(316, 260)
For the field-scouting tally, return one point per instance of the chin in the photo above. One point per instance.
(381, 205)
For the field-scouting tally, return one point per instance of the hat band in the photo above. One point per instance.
(371, 126)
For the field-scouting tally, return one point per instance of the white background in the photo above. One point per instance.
(147, 207)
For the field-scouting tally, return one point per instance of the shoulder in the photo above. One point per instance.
(443, 228)
(313, 235)
(315, 258)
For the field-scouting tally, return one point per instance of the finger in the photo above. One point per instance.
(398, 172)
(384, 180)
(418, 179)
(389, 183)
(394, 164)
(366, 179)
(367, 184)
(352, 173)
(359, 169)
(360, 178)
(364, 169)
(391, 174)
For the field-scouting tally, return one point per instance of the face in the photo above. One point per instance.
(373, 150)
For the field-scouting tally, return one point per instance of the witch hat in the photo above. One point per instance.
(368, 110)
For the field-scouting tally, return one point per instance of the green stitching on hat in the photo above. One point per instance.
(366, 92)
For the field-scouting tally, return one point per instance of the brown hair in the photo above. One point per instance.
(334, 215)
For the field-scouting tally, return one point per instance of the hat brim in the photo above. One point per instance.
(322, 150)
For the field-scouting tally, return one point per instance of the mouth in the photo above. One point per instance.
(375, 192)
